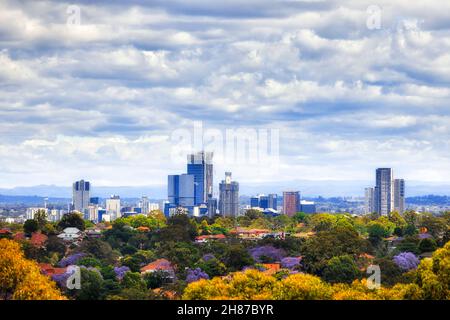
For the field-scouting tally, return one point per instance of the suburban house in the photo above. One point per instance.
(37, 239)
(71, 234)
(93, 233)
(271, 268)
(49, 270)
(250, 234)
(143, 229)
(159, 265)
(206, 238)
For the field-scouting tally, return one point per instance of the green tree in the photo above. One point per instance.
(379, 229)
(99, 249)
(55, 245)
(410, 217)
(427, 245)
(322, 222)
(213, 267)
(341, 269)
(410, 230)
(89, 262)
(316, 251)
(253, 214)
(156, 279)
(436, 226)
(390, 272)
(180, 228)
(91, 286)
(433, 275)
(41, 218)
(88, 224)
(282, 222)
(237, 257)
(261, 223)
(299, 217)
(182, 254)
(397, 219)
(133, 280)
(73, 220)
(30, 226)
(409, 244)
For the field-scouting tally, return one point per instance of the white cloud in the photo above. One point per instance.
(100, 99)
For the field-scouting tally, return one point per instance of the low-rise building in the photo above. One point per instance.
(209, 237)
(71, 234)
(160, 265)
(250, 234)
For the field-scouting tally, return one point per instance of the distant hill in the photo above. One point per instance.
(31, 200)
(429, 200)
(328, 188)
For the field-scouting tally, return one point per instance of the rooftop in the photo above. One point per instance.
(160, 264)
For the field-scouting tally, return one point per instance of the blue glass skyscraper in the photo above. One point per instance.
(181, 190)
(200, 166)
(254, 202)
(264, 202)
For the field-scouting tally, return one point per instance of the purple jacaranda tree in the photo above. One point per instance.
(120, 271)
(195, 275)
(71, 260)
(265, 254)
(208, 256)
(406, 261)
(291, 262)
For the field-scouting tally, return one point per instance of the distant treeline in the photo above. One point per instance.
(30, 200)
(429, 200)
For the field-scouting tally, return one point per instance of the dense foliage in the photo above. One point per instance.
(319, 256)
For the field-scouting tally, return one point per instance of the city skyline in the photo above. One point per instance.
(109, 93)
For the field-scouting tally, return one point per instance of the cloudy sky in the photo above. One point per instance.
(100, 97)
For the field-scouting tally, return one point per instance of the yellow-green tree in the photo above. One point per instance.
(248, 285)
(433, 275)
(302, 287)
(256, 285)
(21, 279)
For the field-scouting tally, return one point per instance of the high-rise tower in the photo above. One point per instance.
(229, 197)
(384, 191)
(81, 195)
(200, 166)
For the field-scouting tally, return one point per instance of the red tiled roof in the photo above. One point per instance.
(49, 270)
(211, 236)
(5, 231)
(366, 255)
(38, 239)
(143, 229)
(160, 264)
(271, 268)
(250, 231)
